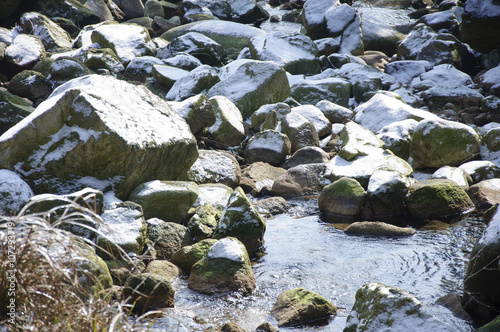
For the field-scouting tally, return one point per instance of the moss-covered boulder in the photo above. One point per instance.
(356, 140)
(123, 231)
(492, 326)
(148, 291)
(378, 228)
(343, 199)
(164, 268)
(385, 308)
(481, 298)
(228, 128)
(204, 221)
(299, 130)
(438, 199)
(100, 58)
(197, 111)
(252, 84)
(302, 307)
(30, 84)
(12, 110)
(242, 221)
(167, 200)
(269, 146)
(225, 268)
(187, 256)
(198, 45)
(438, 143)
(167, 237)
(387, 192)
(215, 167)
(50, 33)
(259, 116)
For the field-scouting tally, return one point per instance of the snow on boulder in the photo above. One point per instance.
(140, 68)
(24, 52)
(99, 127)
(269, 146)
(317, 118)
(440, 142)
(406, 70)
(299, 130)
(312, 91)
(295, 52)
(397, 137)
(356, 140)
(198, 45)
(126, 40)
(215, 194)
(387, 191)
(197, 111)
(228, 128)
(455, 174)
(259, 116)
(480, 170)
(345, 21)
(479, 20)
(197, 81)
(253, 84)
(14, 192)
(165, 76)
(215, 166)
(313, 15)
(50, 33)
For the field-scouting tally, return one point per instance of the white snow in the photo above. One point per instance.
(338, 18)
(406, 70)
(215, 165)
(314, 10)
(295, 120)
(121, 225)
(382, 181)
(313, 114)
(418, 38)
(444, 74)
(25, 49)
(491, 234)
(228, 248)
(216, 195)
(268, 140)
(451, 173)
(397, 131)
(226, 110)
(492, 76)
(283, 48)
(14, 192)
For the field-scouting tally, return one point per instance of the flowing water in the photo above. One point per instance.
(306, 252)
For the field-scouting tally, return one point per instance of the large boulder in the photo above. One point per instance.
(24, 52)
(312, 91)
(251, 84)
(214, 166)
(356, 140)
(269, 146)
(302, 307)
(228, 128)
(385, 308)
(225, 268)
(91, 127)
(242, 221)
(345, 22)
(318, 119)
(387, 192)
(397, 137)
(298, 181)
(481, 297)
(300, 131)
(313, 18)
(438, 199)
(167, 237)
(50, 33)
(167, 200)
(342, 200)
(439, 143)
(198, 45)
(198, 81)
(479, 19)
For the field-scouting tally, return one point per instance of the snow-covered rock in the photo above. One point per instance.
(198, 81)
(312, 91)
(397, 137)
(50, 33)
(313, 19)
(215, 194)
(24, 52)
(378, 36)
(197, 111)
(406, 70)
(334, 112)
(181, 60)
(299, 130)
(198, 45)
(480, 170)
(228, 128)
(100, 58)
(345, 21)
(317, 118)
(454, 174)
(355, 140)
(215, 167)
(387, 192)
(269, 146)
(140, 68)
(480, 18)
(14, 192)
(259, 116)
(244, 11)
(165, 76)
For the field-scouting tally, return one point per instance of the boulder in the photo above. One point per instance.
(225, 268)
(140, 68)
(342, 200)
(302, 307)
(269, 146)
(215, 194)
(12, 110)
(295, 52)
(397, 137)
(50, 33)
(181, 60)
(318, 119)
(187, 256)
(122, 231)
(30, 84)
(251, 84)
(380, 308)
(64, 69)
(167, 237)
(197, 111)
(312, 91)
(480, 170)
(387, 192)
(198, 81)
(101, 58)
(263, 174)
(246, 11)
(345, 21)
(485, 194)
(272, 206)
(439, 143)
(198, 45)
(153, 8)
(204, 221)
(481, 297)
(488, 80)
(258, 117)
(355, 141)
(72, 10)
(378, 36)
(131, 8)
(126, 40)
(164, 268)
(378, 228)
(242, 221)
(480, 17)
(298, 181)
(444, 21)
(406, 70)
(438, 199)
(167, 200)
(215, 167)
(455, 174)
(307, 155)
(300, 131)
(24, 52)
(356, 72)
(14, 192)
(313, 15)
(228, 129)
(148, 291)
(87, 136)
(334, 112)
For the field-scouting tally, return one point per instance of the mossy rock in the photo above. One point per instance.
(187, 256)
(12, 110)
(102, 58)
(66, 68)
(149, 291)
(164, 268)
(356, 140)
(167, 237)
(342, 199)
(204, 221)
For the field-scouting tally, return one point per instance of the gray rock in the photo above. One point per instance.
(140, 68)
(215, 194)
(131, 8)
(345, 21)
(309, 91)
(164, 268)
(215, 167)
(65, 69)
(199, 81)
(397, 137)
(455, 174)
(153, 8)
(334, 112)
(313, 15)
(14, 192)
(406, 70)
(165, 76)
(269, 146)
(298, 181)
(378, 228)
(307, 155)
(197, 111)
(480, 170)
(198, 45)
(50, 33)
(73, 10)
(485, 194)
(387, 192)
(30, 84)
(228, 129)
(356, 140)
(380, 37)
(259, 116)
(300, 131)
(102, 58)
(317, 118)
(272, 206)
(181, 60)
(167, 237)
(479, 18)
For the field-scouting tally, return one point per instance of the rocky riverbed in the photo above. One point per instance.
(188, 126)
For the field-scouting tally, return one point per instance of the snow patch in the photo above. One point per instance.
(228, 248)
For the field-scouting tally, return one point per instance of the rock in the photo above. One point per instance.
(65, 69)
(481, 297)
(258, 117)
(300, 131)
(228, 129)
(140, 68)
(312, 91)
(317, 118)
(148, 291)
(439, 143)
(215, 194)
(197, 111)
(379, 307)
(378, 228)
(251, 84)
(69, 9)
(269, 146)
(24, 52)
(126, 40)
(198, 45)
(299, 306)
(167, 237)
(181, 60)
(164, 268)
(215, 167)
(263, 174)
(232, 327)
(225, 268)
(378, 36)
(492, 326)
(266, 327)
(406, 70)
(167, 200)
(100, 9)
(198, 81)
(246, 11)
(12, 110)
(480, 17)
(397, 137)
(187, 256)
(455, 174)
(356, 140)
(30, 84)
(123, 231)
(50, 33)
(355, 72)
(14, 192)
(272, 206)
(345, 21)
(104, 58)
(451, 301)
(438, 199)
(383, 109)
(131, 8)
(492, 140)
(442, 21)
(488, 80)
(242, 221)
(297, 181)
(342, 199)
(204, 221)
(387, 192)
(485, 194)
(91, 113)
(232, 36)
(153, 8)
(307, 155)
(480, 170)
(334, 112)
(295, 52)
(313, 15)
